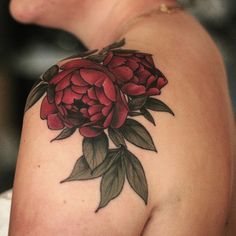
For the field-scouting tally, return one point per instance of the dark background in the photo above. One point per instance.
(27, 51)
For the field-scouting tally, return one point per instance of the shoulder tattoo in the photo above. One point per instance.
(99, 94)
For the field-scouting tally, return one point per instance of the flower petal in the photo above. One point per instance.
(84, 111)
(93, 76)
(77, 80)
(68, 107)
(91, 93)
(91, 102)
(64, 83)
(62, 110)
(94, 109)
(102, 98)
(143, 74)
(153, 91)
(135, 58)
(133, 89)
(58, 97)
(132, 64)
(161, 82)
(90, 132)
(96, 117)
(116, 61)
(109, 89)
(120, 111)
(108, 119)
(150, 80)
(54, 122)
(85, 99)
(80, 90)
(106, 109)
(47, 108)
(108, 58)
(135, 80)
(74, 108)
(57, 78)
(69, 96)
(123, 73)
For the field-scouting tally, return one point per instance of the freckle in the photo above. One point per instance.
(82, 200)
(64, 201)
(38, 166)
(227, 223)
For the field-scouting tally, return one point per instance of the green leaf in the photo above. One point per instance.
(137, 103)
(157, 105)
(65, 133)
(112, 183)
(97, 57)
(35, 94)
(135, 113)
(37, 82)
(116, 137)
(136, 134)
(50, 73)
(148, 115)
(82, 171)
(81, 54)
(112, 155)
(124, 51)
(113, 46)
(95, 150)
(135, 175)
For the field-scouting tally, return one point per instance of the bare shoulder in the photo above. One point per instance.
(190, 178)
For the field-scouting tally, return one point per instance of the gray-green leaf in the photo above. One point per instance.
(35, 94)
(82, 171)
(95, 150)
(137, 103)
(148, 115)
(81, 54)
(117, 44)
(135, 133)
(112, 183)
(65, 133)
(50, 73)
(135, 175)
(157, 105)
(116, 137)
(124, 51)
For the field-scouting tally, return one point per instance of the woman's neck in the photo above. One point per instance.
(108, 22)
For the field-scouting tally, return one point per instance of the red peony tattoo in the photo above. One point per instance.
(83, 95)
(98, 93)
(135, 73)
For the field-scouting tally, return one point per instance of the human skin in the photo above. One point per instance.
(189, 179)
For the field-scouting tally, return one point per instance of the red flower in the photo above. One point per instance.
(135, 72)
(83, 95)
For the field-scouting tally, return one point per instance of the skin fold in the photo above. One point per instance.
(190, 178)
